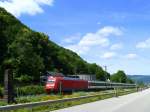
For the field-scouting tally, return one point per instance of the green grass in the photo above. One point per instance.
(45, 97)
(30, 90)
(56, 106)
(2, 103)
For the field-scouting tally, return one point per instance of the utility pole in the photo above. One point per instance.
(105, 68)
(75, 70)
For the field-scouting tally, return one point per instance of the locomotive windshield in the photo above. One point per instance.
(51, 81)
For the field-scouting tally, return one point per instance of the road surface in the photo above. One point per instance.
(135, 102)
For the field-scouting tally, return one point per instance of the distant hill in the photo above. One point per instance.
(140, 78)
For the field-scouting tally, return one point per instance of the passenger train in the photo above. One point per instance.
(65, 84)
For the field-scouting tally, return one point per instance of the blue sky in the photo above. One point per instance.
(113, 33)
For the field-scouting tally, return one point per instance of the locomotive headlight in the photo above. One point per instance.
(49, 85)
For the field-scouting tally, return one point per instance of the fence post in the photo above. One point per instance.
(115, 90)
(8, 86)
(60, 88)
(137, 88)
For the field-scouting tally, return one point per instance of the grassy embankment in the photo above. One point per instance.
(44, 97)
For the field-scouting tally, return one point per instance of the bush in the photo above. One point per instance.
(25, 79)
(30, 90)
(1, 92)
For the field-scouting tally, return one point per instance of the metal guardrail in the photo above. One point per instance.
(49, 102)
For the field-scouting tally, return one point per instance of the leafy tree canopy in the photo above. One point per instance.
(30, 53)
(120, 77)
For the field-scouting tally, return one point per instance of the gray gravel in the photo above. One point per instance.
(135, 102)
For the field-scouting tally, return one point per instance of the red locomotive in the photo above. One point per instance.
(60, 83)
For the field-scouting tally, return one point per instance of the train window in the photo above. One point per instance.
(73, 76)
(98, 84)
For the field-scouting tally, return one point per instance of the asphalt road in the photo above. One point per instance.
(135, 102)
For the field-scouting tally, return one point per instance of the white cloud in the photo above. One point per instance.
(109, 55)
(78, 48)
(117, 46)
(131, 56)
(31, 7)
(72, 39)
(144, 44)
(106, 31)
(97, 39)
(93, 39)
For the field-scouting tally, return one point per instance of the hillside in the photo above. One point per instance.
(141, 78)
(30, 52)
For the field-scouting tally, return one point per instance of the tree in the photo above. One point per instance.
(25, 59)
(100, 75)
(33, 52)
(130, 81)
(98, 71)
(120, 77)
